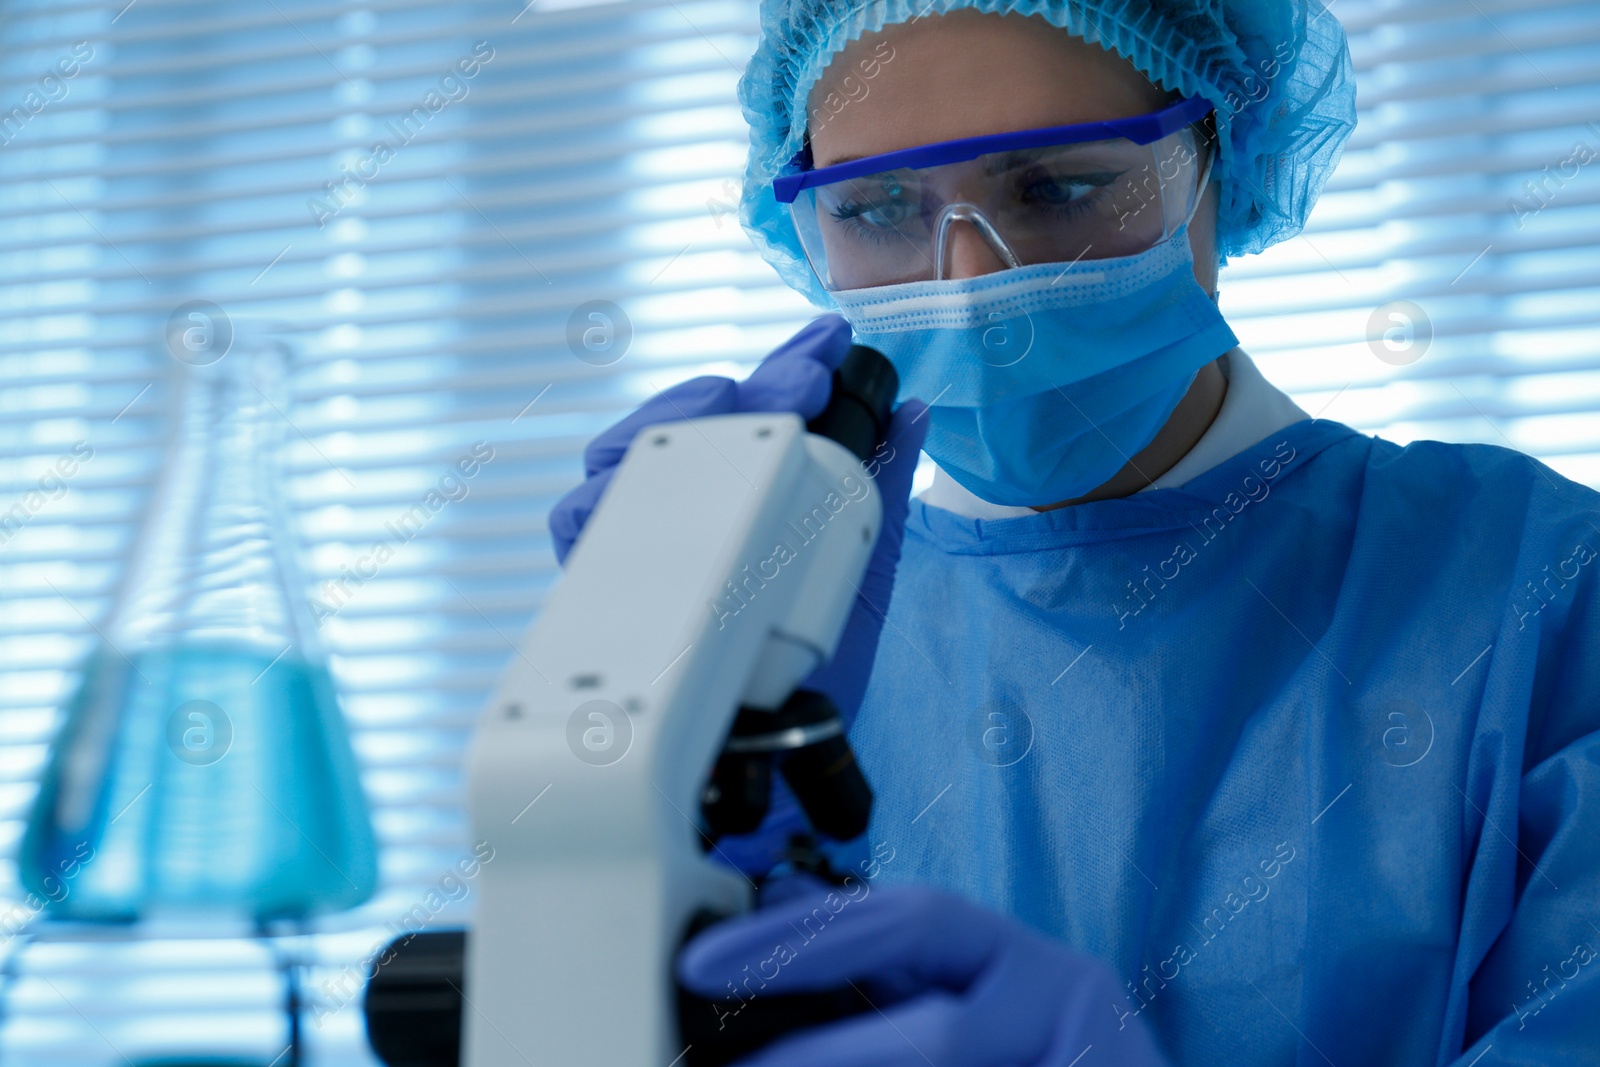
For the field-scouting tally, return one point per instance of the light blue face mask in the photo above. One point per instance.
(1043, 381)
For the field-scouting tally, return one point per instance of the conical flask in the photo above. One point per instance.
(203, 765)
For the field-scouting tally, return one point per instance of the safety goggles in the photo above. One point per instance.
(1054, 195)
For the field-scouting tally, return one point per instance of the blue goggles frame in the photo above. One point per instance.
(1141, 129)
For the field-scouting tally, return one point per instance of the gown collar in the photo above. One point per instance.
(1235, 484)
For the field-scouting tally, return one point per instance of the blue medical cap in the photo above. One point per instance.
(1277, 71)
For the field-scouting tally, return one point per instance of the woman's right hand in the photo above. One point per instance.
(797, 377)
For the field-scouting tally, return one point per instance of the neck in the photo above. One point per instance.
(1188, 423)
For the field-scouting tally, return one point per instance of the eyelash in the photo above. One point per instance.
(848, 215)
(1098, 183)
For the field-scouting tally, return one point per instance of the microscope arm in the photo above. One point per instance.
(717, 572)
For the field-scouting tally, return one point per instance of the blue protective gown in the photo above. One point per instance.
(1306, 749)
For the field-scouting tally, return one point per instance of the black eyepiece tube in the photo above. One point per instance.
(857, 415)
(823, 774)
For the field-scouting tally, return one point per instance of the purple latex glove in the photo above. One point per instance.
(954, 984)
(797, 377)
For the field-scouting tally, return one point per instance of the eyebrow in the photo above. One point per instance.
(998, 162)
(1007, 159)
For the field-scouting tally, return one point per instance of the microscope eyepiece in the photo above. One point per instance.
(857, 415)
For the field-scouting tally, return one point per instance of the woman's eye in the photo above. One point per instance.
(1058, 189)
(883, 214)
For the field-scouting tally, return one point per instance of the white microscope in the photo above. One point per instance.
(641, 718)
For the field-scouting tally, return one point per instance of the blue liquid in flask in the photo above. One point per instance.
(201, 777)
(203, 764)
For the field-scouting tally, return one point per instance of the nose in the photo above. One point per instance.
(969, 254)
(966, 244)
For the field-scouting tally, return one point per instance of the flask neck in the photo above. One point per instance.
(213, 563)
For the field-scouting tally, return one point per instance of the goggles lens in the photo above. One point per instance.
(1048, 204)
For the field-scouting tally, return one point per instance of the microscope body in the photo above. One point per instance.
(717, 572)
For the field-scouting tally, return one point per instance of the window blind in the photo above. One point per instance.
(1447, 286)
(435, 245)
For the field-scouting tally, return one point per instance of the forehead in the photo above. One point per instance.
(966, 74)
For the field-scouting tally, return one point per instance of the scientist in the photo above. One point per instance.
(1203, 732)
